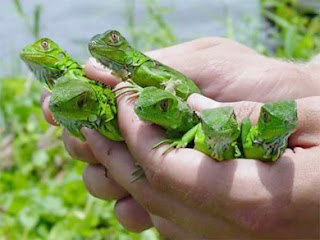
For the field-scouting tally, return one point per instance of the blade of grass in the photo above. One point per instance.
(36, 20)
(18, 7)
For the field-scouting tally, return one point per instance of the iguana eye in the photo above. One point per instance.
(164, 105)
(45, 45)
(81, 102)
(266, 117)
(114, 37)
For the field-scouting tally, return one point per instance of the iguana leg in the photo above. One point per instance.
(276, 150)
(171, 85)
(237, 152)
(245, 130)
(181, 142)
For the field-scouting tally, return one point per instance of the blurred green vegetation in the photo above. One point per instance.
(298, 29)
(42, 192)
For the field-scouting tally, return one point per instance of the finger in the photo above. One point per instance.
(187, 175)
(242, 109)
(98, 72)
(169, 230)
(78, 149)
(308, 110)
(131, 215)
(307, 133)
(101, 186)
(45, 99)
(165, 54)
(116, 158)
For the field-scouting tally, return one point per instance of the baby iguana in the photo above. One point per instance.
(113, 51)
(76, 101)
(221, 133)
(215, 132)
(269, 138)
(49, 62)
(75, 104)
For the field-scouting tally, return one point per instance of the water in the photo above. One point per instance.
(71, 23)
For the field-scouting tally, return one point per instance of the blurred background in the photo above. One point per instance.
(42, 195)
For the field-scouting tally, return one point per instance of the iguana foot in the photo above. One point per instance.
(134, 88)
(171, 85)
(176, 143)
(137, 173)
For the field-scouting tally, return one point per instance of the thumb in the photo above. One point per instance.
(242, 109)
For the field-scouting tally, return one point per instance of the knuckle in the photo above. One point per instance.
(209, 41)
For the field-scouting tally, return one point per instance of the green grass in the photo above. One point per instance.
(298, 35)
(42, 192)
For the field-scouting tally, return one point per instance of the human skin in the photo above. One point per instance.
(232, 199)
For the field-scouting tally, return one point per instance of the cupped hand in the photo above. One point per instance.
(202, 198)
(224, 70)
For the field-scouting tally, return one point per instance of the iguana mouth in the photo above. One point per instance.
(53, 118)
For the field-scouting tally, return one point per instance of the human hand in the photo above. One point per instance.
(195, 197)
(213, 82)
(228, 71)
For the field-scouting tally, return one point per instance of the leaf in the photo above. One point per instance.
(40, 158)
(29, 217)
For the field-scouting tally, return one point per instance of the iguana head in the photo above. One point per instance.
(74, 99)
(158, 106)
(277, 118)
(220, 125)
(47, 60)
(109, 48)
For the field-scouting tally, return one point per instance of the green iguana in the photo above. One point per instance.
(49, 62)
(221, 133)
(112, 50)
(269, 138)
(75, 104)
(215, 131)
(76, 101)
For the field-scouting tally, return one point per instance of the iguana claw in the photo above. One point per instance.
(174, 143)
(129, 88)
(137, 173)
(126, 91)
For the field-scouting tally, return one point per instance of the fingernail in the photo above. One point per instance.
(200, 102)
(87, 131)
